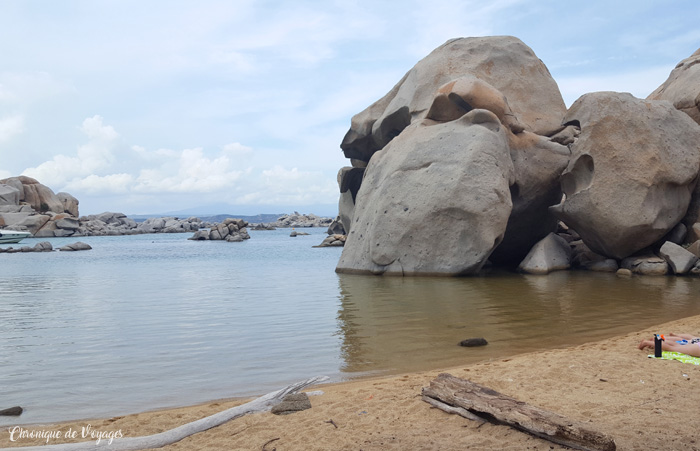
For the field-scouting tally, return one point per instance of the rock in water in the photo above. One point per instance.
(680, 260)
(632, 171)
(551, 254)
(79, 246)
(473, 342)
(12, 411)
(434, 201)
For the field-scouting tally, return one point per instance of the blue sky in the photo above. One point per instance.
(240, 106)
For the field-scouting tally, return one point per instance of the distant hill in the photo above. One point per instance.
(249, 213)
(264, 217)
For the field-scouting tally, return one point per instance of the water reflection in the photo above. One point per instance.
(392, 324)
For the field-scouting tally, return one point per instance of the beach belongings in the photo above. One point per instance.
(472, 342)
(685, 358)
(657, 345)
(12, 411)
(159, 440)
(476, 402)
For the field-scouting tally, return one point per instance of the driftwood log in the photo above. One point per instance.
(476, 402)
(260, 404)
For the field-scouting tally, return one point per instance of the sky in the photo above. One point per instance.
(239, 106)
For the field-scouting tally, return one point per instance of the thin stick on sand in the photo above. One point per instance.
(260, 404)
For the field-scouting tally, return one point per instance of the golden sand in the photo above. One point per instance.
(643, 403)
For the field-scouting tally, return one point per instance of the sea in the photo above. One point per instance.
(145, 322)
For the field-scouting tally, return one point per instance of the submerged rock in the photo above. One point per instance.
(473, 342)
(79, 246)
(12, 411)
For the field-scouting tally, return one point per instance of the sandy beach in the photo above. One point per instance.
(643, 403)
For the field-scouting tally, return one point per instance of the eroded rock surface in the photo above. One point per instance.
(632, 171)
(435, 200)
(682, 88)
(503, 62)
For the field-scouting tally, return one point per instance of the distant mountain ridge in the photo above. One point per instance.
(254, 219)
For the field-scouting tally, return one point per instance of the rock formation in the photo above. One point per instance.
(435, 200)
(682, 88)
(298, 220)
(464, 165)
(231, 230)
(503, 62)
(552, 253)
(467, 159)
(630, 178)
(333, 240)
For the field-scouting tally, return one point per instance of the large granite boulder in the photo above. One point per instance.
(632, 171)
(70, 204)
(682, 88)
(434, 201)
(680, 260)
(9, 195)
(503, 62)
(552, 253)
(31, 221)
(40, 197)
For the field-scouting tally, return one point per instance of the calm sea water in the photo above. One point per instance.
(151, 321)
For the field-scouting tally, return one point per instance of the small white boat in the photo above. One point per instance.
(12, 236)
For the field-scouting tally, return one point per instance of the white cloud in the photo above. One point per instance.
(108, 184)
(189, 171)
(92, 157)
(281, 186)
(10, 126)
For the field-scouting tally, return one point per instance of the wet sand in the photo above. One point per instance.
(612, 386)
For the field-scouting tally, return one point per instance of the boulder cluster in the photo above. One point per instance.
(26, 204)
(473, 160)
(231, 230)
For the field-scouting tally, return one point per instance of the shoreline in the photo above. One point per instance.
(610, 385)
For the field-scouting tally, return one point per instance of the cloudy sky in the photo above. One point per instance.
(240, 106)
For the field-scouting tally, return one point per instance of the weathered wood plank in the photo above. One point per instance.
(496, 407)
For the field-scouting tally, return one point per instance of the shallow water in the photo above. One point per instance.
(151, 321)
